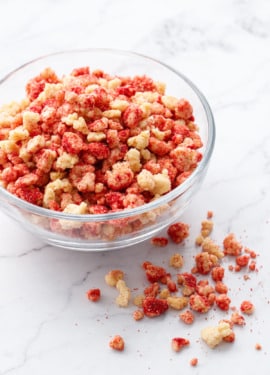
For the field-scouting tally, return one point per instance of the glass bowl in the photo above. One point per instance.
(125, 227)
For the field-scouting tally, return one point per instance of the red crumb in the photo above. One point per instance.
(179, 343)
(93, 294)
(242, 260)
(199, 303)
(205, 262)
(154, 273)
(251, 253)
(196, 294)
(187, 317)
(152, 290)
(204, 288)
(221, 288)
(117, 343)
(237, 319)
(210, 214)
(230, 337)
(237, 268)
(153, 307)
(252, 266)
(223, 302)
(193, 362)
(159, 241)
(171, 285)
(231, 245)
(247, 307)
(188, 283)
(178, 232)
(217, 273)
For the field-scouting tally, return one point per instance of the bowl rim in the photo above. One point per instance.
(155, 204)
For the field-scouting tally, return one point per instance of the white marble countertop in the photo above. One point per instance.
(47, 325)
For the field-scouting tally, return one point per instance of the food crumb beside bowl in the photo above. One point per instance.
(100, 149)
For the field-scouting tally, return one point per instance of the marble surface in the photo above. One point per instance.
(47, 325)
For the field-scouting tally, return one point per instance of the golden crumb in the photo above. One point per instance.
(177, 303)
(211, 247)
(176, 260)
(206, 227)
(113, 276)
(123, 298)
(214, 335)
(138, 300)
(199, 240)
(164, 293)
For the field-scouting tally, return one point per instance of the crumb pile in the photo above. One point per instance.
(195, 292)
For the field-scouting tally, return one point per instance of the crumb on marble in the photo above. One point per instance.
(178, 343)
(178, 232)
(214, 335)
(247, 307)
(93, 294)
(117, 343)
(122, 300)
(187, 317)
(138, 315)
(113, 276)
(159, 241)
(194, 362)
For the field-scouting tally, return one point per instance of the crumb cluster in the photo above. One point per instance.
(191, 293)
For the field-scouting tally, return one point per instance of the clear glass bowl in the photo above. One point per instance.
(132, 225)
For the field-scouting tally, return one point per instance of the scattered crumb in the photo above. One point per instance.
(179, 343)
(187, 317)
(178, 232)
(93, 294)
(193, 362)
(123, 298)
(199, 290)
(231, 245)
(138, 300)
(177, 303)
(113, 276)
(164, 293)
(138, 315)
(237, 319)
(213, 336)
(206, 227)
(247, 307)
(117, 343)
(176, 260)
(159, 241)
